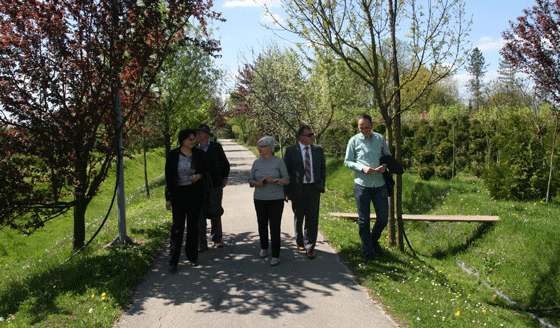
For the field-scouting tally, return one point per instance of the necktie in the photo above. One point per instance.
(307, 165)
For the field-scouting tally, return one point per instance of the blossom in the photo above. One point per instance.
(458, 313)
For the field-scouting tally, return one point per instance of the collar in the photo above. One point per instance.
(302, 146)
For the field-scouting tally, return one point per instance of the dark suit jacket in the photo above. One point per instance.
(171, 165)
(218, 164)
(393, 167)
(296, 170)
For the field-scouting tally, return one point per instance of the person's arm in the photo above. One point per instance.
(169, 177)
(350, 160)
(252, 178)
(322, 169)
(224, 163)
(284, 176)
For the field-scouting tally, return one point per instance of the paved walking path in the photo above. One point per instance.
(234, 287)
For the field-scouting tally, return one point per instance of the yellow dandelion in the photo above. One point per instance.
(92, 295)
(103, 294)
(53, 287)
(103, 298)
(458, 313)
(483, 311)
(457, 296)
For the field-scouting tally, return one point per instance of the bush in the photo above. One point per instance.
(334, 140)
(444, 172)
(426, 173)
(426, 157)
(445, 153)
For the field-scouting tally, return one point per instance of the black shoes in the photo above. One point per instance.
(377, 248)
(172, 268)
(310, 254)
(367, 257)
(193, 264)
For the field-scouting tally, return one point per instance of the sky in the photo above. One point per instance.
(243, 33)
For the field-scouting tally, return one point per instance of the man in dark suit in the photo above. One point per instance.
(218, 169)
(307, 169)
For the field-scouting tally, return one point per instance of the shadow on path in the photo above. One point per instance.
(234, 287)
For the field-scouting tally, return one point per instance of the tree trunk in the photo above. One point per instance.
(396, 122)
(166, 133)
(146, 183)
(79, 222)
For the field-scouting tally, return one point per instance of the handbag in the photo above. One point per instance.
(211, 206)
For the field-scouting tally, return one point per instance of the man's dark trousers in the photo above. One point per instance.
(307, 208)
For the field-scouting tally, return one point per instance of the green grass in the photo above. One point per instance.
(519, 256)
(38, 288)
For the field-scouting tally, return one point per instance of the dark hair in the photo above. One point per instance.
(303, 128)
(365, 117)
(184, 134)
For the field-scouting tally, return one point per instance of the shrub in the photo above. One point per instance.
(426, 173)
(426, 157)
(445, 153)
(444, 172)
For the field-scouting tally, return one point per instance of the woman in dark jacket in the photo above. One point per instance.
(185, 170)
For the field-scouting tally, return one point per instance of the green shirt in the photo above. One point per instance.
(361, 152)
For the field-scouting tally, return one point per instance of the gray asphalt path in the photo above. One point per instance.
(234, 287)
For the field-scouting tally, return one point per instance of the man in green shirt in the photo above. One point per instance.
(362, 155)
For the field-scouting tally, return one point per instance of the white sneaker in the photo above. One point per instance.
(263, 253)
(274, 261)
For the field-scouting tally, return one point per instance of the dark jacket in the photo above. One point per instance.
(393, 167)
(171, 165)
(218, 164)
(296, 169)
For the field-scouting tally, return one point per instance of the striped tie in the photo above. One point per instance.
(307, 165)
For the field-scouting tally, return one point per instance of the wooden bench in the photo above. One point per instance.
(429, 217)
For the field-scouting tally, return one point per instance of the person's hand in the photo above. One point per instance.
(286, 198)
(258, 183)
(368, 170)
(271, 180)
(225, 182)
(168, 205)
(381, 169)
(195, 177)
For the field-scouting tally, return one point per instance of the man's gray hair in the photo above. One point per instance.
(268, 141)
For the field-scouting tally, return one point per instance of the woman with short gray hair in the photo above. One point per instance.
(268, 176)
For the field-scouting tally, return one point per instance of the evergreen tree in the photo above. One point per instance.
(476, 67)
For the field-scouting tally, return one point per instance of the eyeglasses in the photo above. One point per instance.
(308, 135)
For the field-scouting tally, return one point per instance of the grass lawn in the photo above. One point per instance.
(41, 285)
(457, 276)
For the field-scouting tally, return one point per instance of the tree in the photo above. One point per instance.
(186, 84)
(476, 67)
(533, 46)
(362, 33)
(61, 65)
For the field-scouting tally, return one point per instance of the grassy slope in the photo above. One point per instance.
(92, 288)
(519, 256)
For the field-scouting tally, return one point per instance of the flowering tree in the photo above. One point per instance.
(61, 63)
